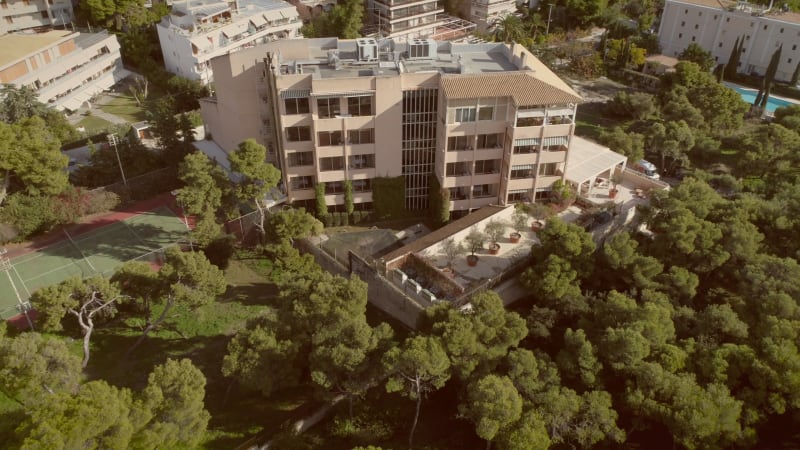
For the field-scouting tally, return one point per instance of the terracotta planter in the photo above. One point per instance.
(612, 193)
(515, 237)
(536, 225)
(494, 248)
(472, 260)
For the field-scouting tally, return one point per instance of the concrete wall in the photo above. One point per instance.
(380, 292)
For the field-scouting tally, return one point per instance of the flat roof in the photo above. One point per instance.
(587, 159)
(774, 13)
(14, 47)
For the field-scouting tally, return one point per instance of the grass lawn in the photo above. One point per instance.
(125, 106)
(94, 124)
(592, 120)
(201, 335)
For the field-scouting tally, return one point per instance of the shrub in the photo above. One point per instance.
(328, 220)
(101, 201)
(345, 219)
(337, 219)
(28, 214)
(220, 250)
(357, 216)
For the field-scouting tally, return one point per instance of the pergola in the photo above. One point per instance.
(452, 28)
(587, 162)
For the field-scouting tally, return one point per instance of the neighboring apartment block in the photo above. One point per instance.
(403, 20)
(489, 121)
(716, 25)
(485, 13)
(64, 68)
(198, 30)
(32, 14)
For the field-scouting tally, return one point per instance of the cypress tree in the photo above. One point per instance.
(733, 61)
(796, 75)
(770, 75)
(322, 206)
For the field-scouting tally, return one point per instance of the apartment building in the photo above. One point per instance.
(198, 30)
(403, 20)
(489, 121)
(716, 25)
(64, 68)
(20, 15)
(485, 13)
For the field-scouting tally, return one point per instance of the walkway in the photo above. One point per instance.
(104, 99)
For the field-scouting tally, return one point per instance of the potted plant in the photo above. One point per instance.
(519, 220)
(474, 240)
(494, 229)
(540, 212)
(452, 250)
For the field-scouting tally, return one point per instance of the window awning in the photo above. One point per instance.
(295, 93)
(587, 160)
(558, 140)
(258, 20)
(560, 112)
(526, 142)
(524, 167)
(520, 191)
(273, 16)
(531, 113)
(343, 94)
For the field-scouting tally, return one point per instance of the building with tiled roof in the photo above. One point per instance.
(489, 122)
(196, 31)
(716, 25)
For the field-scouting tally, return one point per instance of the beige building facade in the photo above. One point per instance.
(17, 15)
(489, 122)
(65, 69)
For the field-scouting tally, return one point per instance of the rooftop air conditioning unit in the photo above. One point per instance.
(367, 49)
(421, 49)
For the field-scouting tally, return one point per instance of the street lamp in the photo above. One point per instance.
(112, 141)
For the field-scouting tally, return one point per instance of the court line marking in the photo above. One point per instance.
(24, 286)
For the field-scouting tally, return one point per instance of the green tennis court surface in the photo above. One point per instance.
(99, 251)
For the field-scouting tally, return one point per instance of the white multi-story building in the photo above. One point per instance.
(404, 20)
(489, 122)
(31, 14)
(485, 13)
(716, 25)
(65, 68)
(198, 30)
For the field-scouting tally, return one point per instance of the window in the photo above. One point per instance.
(455, 143)
(482, 190)
(298, 134)
(789, 61)
(458, 193)
(693, 38)
(301, 183)
(327, 107)
(794, 47)
(485, 166)
(715, 16)
(356, 137)
(699, 14)
(765, 27)
(457, 169)
(296, 105)
(523, 171)
(9, 19)
(781, 31)
(332, 163)
(362, 185)
(465, 115)
(362, 161)
(523, 149)
(486, 113)
(683, 23)
(696, 26)
(334, 187)
(720, 44)
(747, 38)
(490, 140)
(547, 169)
(44, 15)
(300, 159)
(520, 196)
(727, 19)
(359, 106)
(680, 35)
(329, 138)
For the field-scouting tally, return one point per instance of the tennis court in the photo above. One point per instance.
(99, 251)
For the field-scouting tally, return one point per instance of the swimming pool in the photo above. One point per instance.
(749, 95)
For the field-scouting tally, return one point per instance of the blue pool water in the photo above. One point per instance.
(749, 95)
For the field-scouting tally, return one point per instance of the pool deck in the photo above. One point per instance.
(767, 113)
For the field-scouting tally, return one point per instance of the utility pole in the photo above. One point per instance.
(549, 15)
(112, 140)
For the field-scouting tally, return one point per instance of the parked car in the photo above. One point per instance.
(646, 168)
